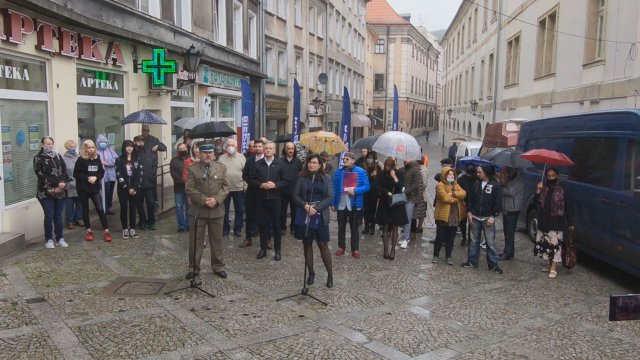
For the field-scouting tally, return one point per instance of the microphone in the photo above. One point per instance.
(206, 172)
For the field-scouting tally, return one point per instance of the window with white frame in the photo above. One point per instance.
(481, 78)
(486, 15)
(320, 24)
(310, 75)
(182, 11)
(379, 49)
(151, 7)
(270, 6)
(238, 35)
(268, 58)
(299, 70)
(546, 44)
(282, 8)
(253, 35)
(472, 84)
(490, 72)
(298, 13)
(512, 67)
(475, 25)
(222, 22)
(596, 25)
(282, 68)
(312, 20)
(495, 10)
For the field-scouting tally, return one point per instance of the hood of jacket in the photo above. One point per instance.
(443, 174)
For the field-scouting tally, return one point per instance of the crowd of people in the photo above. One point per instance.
(274, 194)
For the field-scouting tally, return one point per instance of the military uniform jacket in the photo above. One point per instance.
(215, 185)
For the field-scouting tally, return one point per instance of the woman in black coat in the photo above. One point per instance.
(389, 183)
(129, 179)
(88, 174)
(371, 197)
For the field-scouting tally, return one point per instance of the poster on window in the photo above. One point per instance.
(7, 167)
(6, 139)
(34, 137)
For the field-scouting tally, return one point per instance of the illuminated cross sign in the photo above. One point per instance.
(159, 66)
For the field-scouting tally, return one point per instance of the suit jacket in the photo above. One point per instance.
(263, 173)
(200, 187)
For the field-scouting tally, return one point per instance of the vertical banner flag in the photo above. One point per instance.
(295, 134)
(247, 116)
(394, 124)
(345, 123)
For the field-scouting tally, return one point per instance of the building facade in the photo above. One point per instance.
(405, 58)
(69, 73)
(579, 57)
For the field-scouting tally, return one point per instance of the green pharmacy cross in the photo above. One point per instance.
(159, 66)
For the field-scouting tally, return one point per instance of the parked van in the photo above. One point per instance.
(503, 134)
(467, 148)
(603, 188)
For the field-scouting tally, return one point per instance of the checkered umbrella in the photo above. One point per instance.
(143, 117)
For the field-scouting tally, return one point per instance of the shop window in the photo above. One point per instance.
(94, 119)
(226, 107)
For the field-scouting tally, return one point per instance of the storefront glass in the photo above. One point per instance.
(182, 106)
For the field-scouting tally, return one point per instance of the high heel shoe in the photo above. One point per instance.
(330, 281)
(311, 278)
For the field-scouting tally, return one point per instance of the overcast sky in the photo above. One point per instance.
(434, 14)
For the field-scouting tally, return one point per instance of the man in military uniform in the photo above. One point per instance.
(207, 186)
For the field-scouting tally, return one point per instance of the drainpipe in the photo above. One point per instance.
(496, 72)
(326, 65)
(386, 81)
(262, 95)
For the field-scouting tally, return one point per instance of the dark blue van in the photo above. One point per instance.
(603, 187)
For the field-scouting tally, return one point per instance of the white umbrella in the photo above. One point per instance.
(399, 145)
(188, 122)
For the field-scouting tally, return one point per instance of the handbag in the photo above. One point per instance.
(303, 219)
(569, 253)
(55, 193)
(398, 199)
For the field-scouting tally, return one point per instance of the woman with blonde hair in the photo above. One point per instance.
(88, 174)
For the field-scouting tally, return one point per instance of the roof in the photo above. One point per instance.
(380, 12)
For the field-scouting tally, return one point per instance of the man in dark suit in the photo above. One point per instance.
(251, 194)
(292, 168)
(269, 177)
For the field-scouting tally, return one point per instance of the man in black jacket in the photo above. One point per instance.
(152, 145)
(485, 204)
(292, 167)
(149, 163)
(176, 167)
(269, 177)
(252, 193)
(466, 181)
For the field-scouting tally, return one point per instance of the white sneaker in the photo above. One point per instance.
(483, 244)
(62, 243)
(125, 233)
(403, 244)
(49, 244)
(132, 233)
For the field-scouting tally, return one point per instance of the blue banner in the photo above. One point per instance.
(248, 116)
(295, 133)
(345, 123)
(394, 123)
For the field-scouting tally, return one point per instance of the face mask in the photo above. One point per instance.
(48, 150)
(102, 145)
(552, 181)
(182, 153)
(450, 179)
(72, 150)
(231, 150)
(369, 161)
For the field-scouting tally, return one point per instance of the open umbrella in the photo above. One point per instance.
(457, 140)
(283, 138)
(143, 117)
(399, 145)
(320, 141)
(211, 129)
(188, 122)
(507, 157)
(547, 157)
(364, 143)
(475, 160)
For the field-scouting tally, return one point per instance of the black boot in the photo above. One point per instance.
(330, 280)
(311, 278)
(365, 231)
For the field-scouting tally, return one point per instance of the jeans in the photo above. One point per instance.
(73, 208)
(352, 217)
(509, 223)
(287, 202)
(182, 210)
(407, 228)
(477, 227)
(238, 207)
(269, 215)
(52, 217)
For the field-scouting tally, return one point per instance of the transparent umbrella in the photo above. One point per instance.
(399, 145)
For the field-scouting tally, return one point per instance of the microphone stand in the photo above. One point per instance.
(305, 289)
(194, 284)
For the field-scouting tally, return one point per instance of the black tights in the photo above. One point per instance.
(96, 199)
(389, 240)
(324, 253)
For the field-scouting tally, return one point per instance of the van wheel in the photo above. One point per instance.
(532, 224)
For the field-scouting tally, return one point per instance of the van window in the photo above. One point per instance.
(563, 145)
(632, 168)
(595, 160)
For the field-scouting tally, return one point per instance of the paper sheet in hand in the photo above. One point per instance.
(349, 180)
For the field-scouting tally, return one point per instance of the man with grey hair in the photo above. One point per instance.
(235, 162)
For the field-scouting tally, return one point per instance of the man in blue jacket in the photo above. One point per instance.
(348, 201)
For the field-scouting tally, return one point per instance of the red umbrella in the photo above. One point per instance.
(549, 157)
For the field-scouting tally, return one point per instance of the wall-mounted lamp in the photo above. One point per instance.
(474, 109)
(355, 105)
(449, 112)
(317, 103)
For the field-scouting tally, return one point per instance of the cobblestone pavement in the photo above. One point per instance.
(52, 304)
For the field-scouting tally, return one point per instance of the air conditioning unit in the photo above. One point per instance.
(170, 84)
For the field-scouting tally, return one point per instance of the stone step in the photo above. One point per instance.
(11, 242)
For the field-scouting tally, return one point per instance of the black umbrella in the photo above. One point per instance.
(143, 117)
(507, 157)
(283, 138)
(364, 143)
(211, 129)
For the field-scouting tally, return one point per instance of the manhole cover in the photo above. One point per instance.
(138, 287)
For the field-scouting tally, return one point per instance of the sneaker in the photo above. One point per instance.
(449, 262)
(496, 269)
(125, 233)
(132, 233)
(483, 244)
(435, 260)
(89, 236)
(107, 236)
(49, 244)
(356, 254)
(403, 244)
(468, 265)
(62, 243)
(340, 252)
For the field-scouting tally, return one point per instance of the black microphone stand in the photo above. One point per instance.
(305, 289)
(194, 284)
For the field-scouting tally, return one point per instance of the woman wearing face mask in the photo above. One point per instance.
(553, 220)
(88, 174)
(73, 207)
(129, 175)
(371, 197)
(52, 175)
(450, 210)
(390, 217)
(108, 157)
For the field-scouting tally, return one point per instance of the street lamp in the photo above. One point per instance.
(316, 103)
(192, 59)
(355, 105)
(474, 109)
